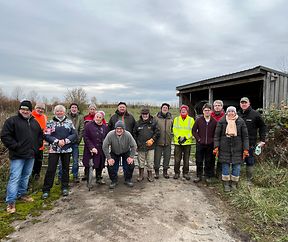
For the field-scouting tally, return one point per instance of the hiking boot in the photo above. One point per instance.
(112, 185)
(156, 174)
(100, 181)
(76, 179)
(65, 192)
(84, 178)
(234, 185)
(165, 173)
(129, 183)
(176, 176)
(227, 187)
(150, 176)
(197, 179)
(11, 208)
(187, 177)
(45, 195)
(208, 180)
(141, 175)
(26, 198)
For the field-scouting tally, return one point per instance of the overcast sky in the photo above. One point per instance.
(135, 50)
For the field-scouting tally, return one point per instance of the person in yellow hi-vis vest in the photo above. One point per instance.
(182, 131)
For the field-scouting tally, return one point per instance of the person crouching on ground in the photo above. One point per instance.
(231, 144)
(146, 133)
(60, 134)
(122, 145)
(94, 135)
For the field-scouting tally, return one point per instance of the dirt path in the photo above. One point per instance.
(166, 210)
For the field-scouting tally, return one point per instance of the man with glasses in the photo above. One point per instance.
(40, 117)
(23, 136)
(254, 123)
(203, 131)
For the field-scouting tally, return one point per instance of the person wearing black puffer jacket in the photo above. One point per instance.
(254, 123)
(146, 132)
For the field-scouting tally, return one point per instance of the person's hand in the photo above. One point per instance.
(181, 140)
(61, 143)
(130, 160)
(245, 154)
(149, 142)
(94, 151)
(261, 144)
(111, 162)
(216, 152)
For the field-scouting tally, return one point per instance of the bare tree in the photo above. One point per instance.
(93, 99)
(283, 64)
(77, 95)
(17, 93)
(33, 96)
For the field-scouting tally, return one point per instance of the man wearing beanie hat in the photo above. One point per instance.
(120, 144)
(23, 136)
(41, 118)
(164, 121)
(122, 114)
(255, 124)
(182, 131)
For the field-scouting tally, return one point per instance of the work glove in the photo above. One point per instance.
(181, 140)
(216, 152)
(245, 154)
(149, 142)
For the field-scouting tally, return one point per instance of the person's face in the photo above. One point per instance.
(231, 114)
(122, 108)
(39, 110)
(145, 116)
(74, 109)
(217, 107)
(92, 110)
(25, 112)
(60, 113)
(183, 111)
(244, 105)
(207, 112)
(98, 118)
(164, 109)
(119, 131)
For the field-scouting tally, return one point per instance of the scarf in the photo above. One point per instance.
(231, 129)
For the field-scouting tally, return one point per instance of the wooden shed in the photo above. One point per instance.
(263, 86)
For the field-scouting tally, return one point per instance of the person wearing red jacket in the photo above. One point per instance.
(41, 118)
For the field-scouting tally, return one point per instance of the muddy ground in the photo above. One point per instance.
(166, 210)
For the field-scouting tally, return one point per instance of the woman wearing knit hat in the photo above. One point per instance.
(231, 144)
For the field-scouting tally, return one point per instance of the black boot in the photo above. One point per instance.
(165, 173)
(156, 174)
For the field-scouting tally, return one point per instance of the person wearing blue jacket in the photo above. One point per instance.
(60, 133)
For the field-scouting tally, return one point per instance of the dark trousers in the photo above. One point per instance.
(51, 170)
(37, 163)
(179, 152)
(204, 153)
(127, 168)
(166, 151)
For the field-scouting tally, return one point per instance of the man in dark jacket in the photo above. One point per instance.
(203, 131)
(122, 114)
(146, 133)
(23, 136)
(254, 123)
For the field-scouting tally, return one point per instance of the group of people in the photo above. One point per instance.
(228, 137)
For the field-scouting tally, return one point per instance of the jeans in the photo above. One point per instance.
(235, 174)
(20, 171)
(51, 170)
(250, 160)
(205, 152)
(179, 152)
(75, 165)
(166, 151)
(127, 168)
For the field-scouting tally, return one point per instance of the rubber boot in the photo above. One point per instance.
(141, 175)
(165, 173)
(156, 174)
(234, 185)
(249, 173)
(226, 185)
(150, 177)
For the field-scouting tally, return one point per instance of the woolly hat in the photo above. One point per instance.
(145, 110)
(26, 104)
(102, 113)
(40, 105)
(119, 124)
(92, 105)
(231, 109)
(165, 104)
(122, 103)
(185, 107)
